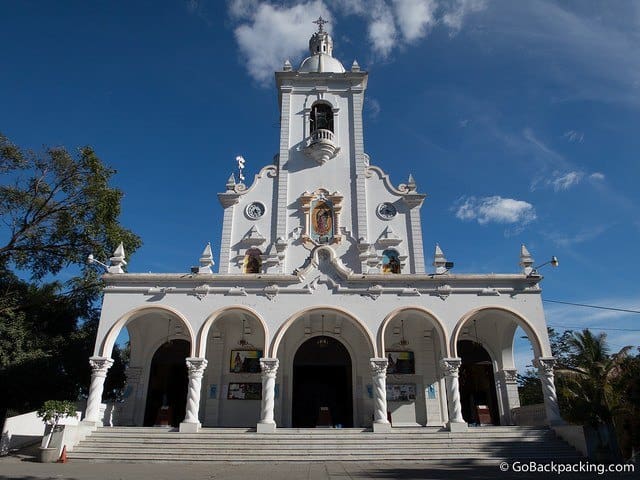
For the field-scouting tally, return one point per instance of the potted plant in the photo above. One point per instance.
(51, 412)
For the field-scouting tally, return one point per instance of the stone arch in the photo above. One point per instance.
(321, 116)
(109, 340)
(520, 320)
(277, 339)
(437, 323)
(204, 331)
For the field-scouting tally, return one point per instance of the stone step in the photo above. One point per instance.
(145, 444)
(172, 457)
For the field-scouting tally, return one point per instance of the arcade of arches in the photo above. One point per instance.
(325, 371)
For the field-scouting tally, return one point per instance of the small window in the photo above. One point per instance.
(321, 117)
(253, 261)
(390, 262)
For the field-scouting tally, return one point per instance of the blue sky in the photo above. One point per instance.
(519, 120)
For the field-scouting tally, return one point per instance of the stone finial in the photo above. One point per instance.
(526, 260)
(411, 184)
(355, 66)
(439, 261)
(287, 66)
(231, 183)
(206, 260)
(117, 261)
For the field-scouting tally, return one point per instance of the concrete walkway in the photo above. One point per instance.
(23, 466)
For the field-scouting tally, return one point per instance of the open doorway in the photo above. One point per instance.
(322, 384)
(168, 383)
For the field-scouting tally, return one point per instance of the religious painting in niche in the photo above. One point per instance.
(253, 261)
(401, 362)
(245, 361)
(245, 391)
(401, 392)
(322, 221)
(390, 262)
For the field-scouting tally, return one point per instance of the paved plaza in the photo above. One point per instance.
(23, 466)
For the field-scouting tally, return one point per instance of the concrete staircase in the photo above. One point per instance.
(480, 445)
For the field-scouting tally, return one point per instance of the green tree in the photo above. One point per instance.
(55, 209)
(588, 387)
(58, 209)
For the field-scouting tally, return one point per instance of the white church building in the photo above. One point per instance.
(322, 312)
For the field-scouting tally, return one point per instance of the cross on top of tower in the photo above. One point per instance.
(320, 22)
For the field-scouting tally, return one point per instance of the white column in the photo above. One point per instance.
(269, 367)
(450, 367)
(508, 389)
(545, 372)
(379, 376)
(191, 422)
(99, 368)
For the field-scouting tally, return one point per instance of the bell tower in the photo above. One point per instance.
(321, 190)
(321, 158)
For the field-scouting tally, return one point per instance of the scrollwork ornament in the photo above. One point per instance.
(450, 366)
(378, 366)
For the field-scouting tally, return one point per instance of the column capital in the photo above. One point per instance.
(450, 366)
(378, 366)
(509, 375)
(196, 366)
(100, 365)
(269, 366)
(544, 365)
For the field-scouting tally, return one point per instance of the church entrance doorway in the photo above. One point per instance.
(322, 385)
(477, 385)
(168, 383)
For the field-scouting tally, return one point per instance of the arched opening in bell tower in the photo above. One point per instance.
(321, 117)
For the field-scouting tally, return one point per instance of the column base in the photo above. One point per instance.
(189, 427)
(266, 427)
(91, 424)
(381, 427)
(457, 426)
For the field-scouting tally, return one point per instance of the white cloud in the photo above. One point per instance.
(574, 136)
(373, 107)
(585, 235)
(241, 8)
(597, 176)
(274, 34)
(414, 17)
(457, 10)
(268, 33)
(382, 30)
(495, 209)
(566, 181)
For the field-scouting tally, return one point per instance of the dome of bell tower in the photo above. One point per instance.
(321, 50)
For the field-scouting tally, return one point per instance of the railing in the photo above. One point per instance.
(321, 135)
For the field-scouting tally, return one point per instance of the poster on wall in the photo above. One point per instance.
(245, 361)
(245, 391)
(401, 392)
(401, 362)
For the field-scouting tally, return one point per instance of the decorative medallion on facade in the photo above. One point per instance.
(322, 217)
(255, 210)
(386, 211)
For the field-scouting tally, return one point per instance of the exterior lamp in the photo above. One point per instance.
(553, 262)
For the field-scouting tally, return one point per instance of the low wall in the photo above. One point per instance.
(27, 429)
(20, 431)
(530, 415)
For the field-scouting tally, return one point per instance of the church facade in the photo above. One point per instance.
(322, 312)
